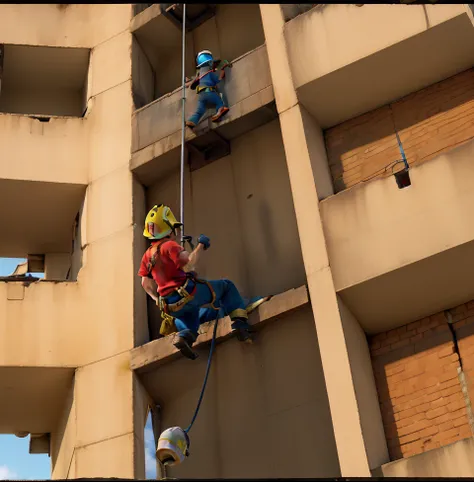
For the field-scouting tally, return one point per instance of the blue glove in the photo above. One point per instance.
(205, 241)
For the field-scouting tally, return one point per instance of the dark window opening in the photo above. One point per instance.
(43, 81)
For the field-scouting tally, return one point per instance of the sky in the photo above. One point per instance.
(15, 460)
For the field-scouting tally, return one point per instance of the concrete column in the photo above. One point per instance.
(101, 433)
(310, 181)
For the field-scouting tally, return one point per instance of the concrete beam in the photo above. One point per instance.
(161, 351)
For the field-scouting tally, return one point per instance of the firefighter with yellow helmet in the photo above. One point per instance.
(180, 294)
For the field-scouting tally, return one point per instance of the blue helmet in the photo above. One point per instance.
(204, 58)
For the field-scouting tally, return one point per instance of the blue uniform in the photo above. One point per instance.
(207, 97)
(227, 301)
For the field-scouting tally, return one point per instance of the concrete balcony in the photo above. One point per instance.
(40, 325)
(157, 126)
(43, 179)
(399, 49)
(39, 351)
(43, 148)
(399, 255)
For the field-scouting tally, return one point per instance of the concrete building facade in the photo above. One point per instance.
(363, 362)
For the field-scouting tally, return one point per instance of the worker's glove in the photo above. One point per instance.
(226, 65)
(205, 241)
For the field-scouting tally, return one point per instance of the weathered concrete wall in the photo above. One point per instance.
(243, 202)
(57, 266)
(92, 439)
(63, 441)
(42, 102)
(330, 69)
(54, 151)
(255, 407)
(249, 76)
(143, 77)
(327, 33)
(302, 169)
(366, 226)
(234, 31)
(62, 25)
(223, 35)
(455, 460)
(365, 389)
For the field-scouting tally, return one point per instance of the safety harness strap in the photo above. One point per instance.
(154, 255)
(202, 88)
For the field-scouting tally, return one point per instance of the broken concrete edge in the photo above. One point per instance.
(161, 351)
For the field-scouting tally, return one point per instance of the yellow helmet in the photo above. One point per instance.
(160, 222)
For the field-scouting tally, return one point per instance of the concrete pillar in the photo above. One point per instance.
(310, 181)
(108, 441)
(101, 432)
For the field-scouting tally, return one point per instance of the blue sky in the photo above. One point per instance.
(17, 463)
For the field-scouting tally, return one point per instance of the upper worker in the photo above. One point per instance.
(205, 85)
(181, 294)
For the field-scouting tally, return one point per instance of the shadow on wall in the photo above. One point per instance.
(416, 372)
(430, 121)
(268, 399)
(293, 10)
(243, 202)
(76, 256)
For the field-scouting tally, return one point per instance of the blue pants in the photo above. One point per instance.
(195, 312)
(205, 98)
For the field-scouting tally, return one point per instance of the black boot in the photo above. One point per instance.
(241, 328)
(183, 342)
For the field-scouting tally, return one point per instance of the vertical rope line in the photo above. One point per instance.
(183, 120)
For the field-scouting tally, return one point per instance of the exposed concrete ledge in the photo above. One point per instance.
(161, 351)
(145, 16)
(454, 460)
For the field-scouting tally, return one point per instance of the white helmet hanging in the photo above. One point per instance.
(173, 446)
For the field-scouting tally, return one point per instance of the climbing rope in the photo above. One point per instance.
(183, 237)
(183, 121)
(209, 360)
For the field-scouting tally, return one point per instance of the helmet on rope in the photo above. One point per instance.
(173, 446)
(204, 58)
(160, 222)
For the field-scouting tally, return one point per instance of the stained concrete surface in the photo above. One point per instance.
(254, 407)
(414, 245)
(334, 87)
(453, 461)
(33, 397)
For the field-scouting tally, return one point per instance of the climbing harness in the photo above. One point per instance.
(218, 64)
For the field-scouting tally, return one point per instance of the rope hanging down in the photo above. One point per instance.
(183, 237)
(183, 121)
(203, 389)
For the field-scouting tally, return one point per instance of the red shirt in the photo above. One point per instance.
(167, 272)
